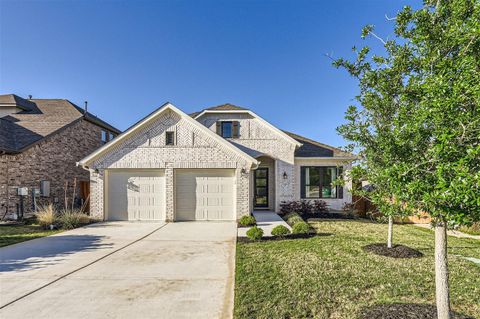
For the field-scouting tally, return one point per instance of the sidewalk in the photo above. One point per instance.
(266, 220)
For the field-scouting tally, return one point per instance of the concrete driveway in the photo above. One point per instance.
(122, 270)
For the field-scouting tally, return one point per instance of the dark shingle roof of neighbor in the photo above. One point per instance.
(43, 118)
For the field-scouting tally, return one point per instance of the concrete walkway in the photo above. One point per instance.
(266, 220)
(122, 270)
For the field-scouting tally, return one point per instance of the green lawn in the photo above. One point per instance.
(332, 277)
(13, 234)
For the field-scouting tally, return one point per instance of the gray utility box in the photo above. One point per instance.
(45, 188)
(22, 191)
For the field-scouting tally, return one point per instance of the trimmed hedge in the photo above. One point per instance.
(255, 233)
(246, 221)
(292, 218)
(301, 228)
(280, 231)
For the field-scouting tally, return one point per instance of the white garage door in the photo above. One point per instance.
(136, 195)
(204, 194)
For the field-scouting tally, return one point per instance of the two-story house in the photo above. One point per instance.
(40, 142)
(217, 164)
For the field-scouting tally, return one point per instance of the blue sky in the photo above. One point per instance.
(129, 57)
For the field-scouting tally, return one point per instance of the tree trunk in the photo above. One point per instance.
(390, 232)
(441, 271)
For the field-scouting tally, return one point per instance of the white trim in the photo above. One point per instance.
(280, 132)
(167, 106)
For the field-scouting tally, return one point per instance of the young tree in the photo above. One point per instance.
(418, 127)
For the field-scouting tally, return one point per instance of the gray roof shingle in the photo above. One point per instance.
(311, 148)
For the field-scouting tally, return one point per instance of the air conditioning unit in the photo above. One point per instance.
(45, 188)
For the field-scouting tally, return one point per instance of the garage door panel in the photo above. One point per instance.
(204, 194)
(136, 195)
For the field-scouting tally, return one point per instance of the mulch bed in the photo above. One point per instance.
(397, 251)
(405, 311)
(242, 226)
(287, 237)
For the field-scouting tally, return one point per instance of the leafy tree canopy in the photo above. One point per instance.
(418, 128)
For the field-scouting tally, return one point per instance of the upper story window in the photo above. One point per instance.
(111, 136)
(105, 136)
(169, 138)
(228, 129)
(317, 182)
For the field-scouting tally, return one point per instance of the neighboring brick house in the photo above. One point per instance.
(40, 142)
(217, 164)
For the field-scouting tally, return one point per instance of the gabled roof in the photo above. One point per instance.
(137, 126)
(311, 148)
(43, 118)
(15, 100)
(226, 107)
(230, 108)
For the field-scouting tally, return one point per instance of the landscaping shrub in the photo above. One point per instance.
(319, 206)
(289, 207)
(301, 228)
(280, 231)
(306, 207)
(70, 219)
(292, 218)
(302, 207)
(247, 221)
(255, 233)
(46, 216)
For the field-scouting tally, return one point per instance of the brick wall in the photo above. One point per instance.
(53, 159)
(257, 139)
(146, 149)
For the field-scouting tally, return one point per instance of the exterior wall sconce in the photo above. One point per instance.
(243, 171)
(285, 175)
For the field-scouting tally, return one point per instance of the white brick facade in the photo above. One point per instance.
(146, 149)
(257, 139)
(196, 147)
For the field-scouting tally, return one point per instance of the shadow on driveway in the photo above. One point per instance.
(48, 251)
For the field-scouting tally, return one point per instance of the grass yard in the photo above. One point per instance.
(332, 277)
(13, 234)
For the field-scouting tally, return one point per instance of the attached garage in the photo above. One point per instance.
(135, 195)
(204, 194)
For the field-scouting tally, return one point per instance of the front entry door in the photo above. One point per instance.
(260, 184)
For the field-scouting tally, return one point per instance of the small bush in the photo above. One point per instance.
(319, 206)
(301, 228)
(280, 231)
(73, 219)
(292, 218)
(297, 206)
(247, 221)
(255, 233)
(306, 207)
(46, 216)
